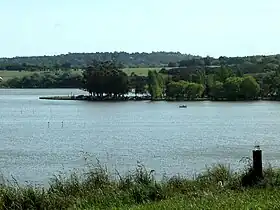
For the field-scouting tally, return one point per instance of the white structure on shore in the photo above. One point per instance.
(1, 79)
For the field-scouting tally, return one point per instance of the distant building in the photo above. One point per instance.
(1, 79)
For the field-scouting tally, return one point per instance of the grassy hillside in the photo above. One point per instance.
(78, 60)
(11, 74)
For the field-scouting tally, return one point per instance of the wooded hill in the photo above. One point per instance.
(249, 64)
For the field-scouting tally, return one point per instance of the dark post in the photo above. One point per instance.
(257, 162)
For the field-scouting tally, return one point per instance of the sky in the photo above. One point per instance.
(200, 27)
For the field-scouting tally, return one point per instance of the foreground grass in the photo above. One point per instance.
(247, 199)
(216, 188)
(227, 199)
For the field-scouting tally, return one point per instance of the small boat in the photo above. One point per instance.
(183, 106)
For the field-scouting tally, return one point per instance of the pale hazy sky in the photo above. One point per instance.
(201, 27)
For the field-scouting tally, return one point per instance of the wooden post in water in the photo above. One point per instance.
(257, 162)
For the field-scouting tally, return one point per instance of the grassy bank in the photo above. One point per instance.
(216, 188)
(247, 199)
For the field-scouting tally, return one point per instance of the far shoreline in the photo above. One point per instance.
(144, 98)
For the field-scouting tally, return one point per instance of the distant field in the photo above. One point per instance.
(139, 71)
(11, 74)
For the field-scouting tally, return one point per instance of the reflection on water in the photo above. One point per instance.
(41, 137)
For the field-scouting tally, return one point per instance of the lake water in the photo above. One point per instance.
(41, 137)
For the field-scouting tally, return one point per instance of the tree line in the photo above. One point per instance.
(106, 79)
(46, 80)
(82, 60)
(221, 84)
(247, 64)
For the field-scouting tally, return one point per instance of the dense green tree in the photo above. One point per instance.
(155, 85)
(118, 83)
(208, 84)
(208, 61)
(223, 73)
(232, 88)
(217, 91)
(105, 78)
(202, 77)
(265, 91)
(239, 72)
(270, 85)
(194, 90)
(138, 83)
(175, 90)
(184, 90)
(249, 88)
(172, 64)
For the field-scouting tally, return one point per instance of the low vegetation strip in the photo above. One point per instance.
(57, 97)
(216, 188)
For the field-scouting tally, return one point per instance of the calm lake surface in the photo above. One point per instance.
(35, 144)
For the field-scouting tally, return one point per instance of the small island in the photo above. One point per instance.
(104, 81)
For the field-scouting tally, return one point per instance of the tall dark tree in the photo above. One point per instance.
(223, 73)
(105, 78)
(156, 85)
(232, 88)
(249, 88)
(172, 64)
